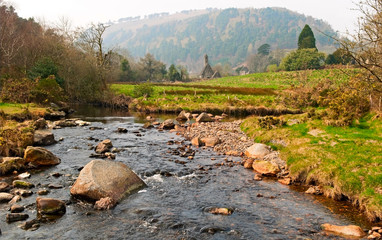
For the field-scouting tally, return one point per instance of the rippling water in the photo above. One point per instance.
(175, 203)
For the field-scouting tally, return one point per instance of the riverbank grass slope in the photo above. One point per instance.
(346, 161)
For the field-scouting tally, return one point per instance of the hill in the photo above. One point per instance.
(228, 35)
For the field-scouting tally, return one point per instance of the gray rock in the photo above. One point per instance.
(257, 150)
(43, 138)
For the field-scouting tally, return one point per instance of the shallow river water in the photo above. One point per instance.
(179, 193)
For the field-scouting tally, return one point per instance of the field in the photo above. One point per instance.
(229, 93)
(18, 108)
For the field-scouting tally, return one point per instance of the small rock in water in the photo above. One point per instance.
(110, 155)
(15, 199)
(104, 203)
(14, 217)
(285, 181)
(23, 192)
(121, 130)
(50, 206)
(350, 230)
(31, 225)
(257, 177)
(16, 208)
(55, 186)
(22, 184)
(222, 211)
(316, 190)
(5, 197)
(43, 192)
(56, 174)
(24, 175)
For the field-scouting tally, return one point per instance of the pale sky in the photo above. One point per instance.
(338, 13)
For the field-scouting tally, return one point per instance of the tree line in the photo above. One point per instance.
(40, 63)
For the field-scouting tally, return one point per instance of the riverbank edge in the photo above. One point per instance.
(302, 180)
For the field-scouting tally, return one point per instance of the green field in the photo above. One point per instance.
(17, 108)
(225, 94)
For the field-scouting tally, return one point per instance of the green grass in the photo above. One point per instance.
(16, 108)
(347, 160)
(253, 90)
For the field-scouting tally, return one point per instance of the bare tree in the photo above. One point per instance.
(366, 44)
(91, 42)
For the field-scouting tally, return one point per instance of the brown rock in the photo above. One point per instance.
(40, 124)
(257, 150)
(210, 141)
(232, 153)
(204, 117)
(43, 192)
(168, 124)
(257, 177)
(101, 179)
(350, 230)
(196, 142)
(5, 197)
(285, 181)
(316, 190)
(182, 116)
(43, 138)
(50, 206)
(14, 217)
(248, 163)
(104, 146)
(104, 204)
(39, 156)
(374, 235)
(265, 167)
(222, 211)
(16, 208)
(15, 199)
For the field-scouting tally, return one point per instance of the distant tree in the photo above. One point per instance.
(173, 74)
(183, 72)
(151, 68)
(302, 59)
(264, 49)
(306, 38)
(340, 56)
(45, 68)
(127, 73)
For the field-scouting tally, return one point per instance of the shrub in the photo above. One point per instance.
(17, 90)
(143, 90)
(47, 90)
(303, 59)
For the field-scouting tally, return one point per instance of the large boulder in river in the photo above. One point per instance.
(350, 230)
(182, 116)
(43, 138)
(9, 164)
(102, 179)
(257, 150)
(104, 146)
(39, 156)
(204, 117)
(265, 167)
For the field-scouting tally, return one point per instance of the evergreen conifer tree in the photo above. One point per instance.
(306, 38)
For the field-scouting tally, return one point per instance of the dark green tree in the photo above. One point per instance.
(45, 68)
(264, 49)
(173, 74)
(306, 38)
(303, 59)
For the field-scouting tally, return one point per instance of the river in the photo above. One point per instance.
(180, 191)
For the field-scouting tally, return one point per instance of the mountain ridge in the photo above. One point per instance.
(226, 35)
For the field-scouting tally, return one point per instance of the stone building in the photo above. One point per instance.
(207, 70)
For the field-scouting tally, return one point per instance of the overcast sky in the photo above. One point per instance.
(337, 13)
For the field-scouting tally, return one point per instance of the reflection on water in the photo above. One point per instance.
(179, 192)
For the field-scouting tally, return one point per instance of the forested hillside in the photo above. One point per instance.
(228, 35)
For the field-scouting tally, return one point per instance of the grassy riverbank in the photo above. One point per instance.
(19, 108)
(346, 161)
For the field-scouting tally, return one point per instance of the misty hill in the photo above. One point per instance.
(228, 35)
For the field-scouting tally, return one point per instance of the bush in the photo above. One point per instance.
(47, 90)
(143, 90)
(17, 90)
(303, 59)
